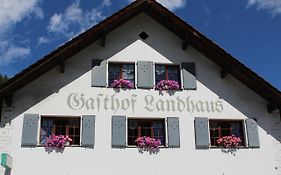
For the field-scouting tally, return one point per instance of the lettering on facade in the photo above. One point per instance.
(107, 102)
(150, 103)
(182, 105)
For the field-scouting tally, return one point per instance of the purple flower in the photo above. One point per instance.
(229, 141)
(58, 141)
(121, 83)
(147, 142)
(167, 85)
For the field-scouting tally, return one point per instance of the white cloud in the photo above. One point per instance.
(57, 24)
(13, 53)
(43, 40)
(106, 2)
(11, 13)
(74, 12)
(170, 4)
(38, 12)
(274, 6)
(74, 20)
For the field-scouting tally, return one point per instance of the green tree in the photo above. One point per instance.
(3, 78)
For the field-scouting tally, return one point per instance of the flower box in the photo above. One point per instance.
(167, 85)
(121, 83)
(229, 141)
(57, 141)
(147, 142)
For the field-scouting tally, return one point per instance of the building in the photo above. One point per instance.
(70, 92)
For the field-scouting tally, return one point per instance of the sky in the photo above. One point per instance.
(247, 29)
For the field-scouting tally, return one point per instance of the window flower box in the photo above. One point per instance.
(57, 141)
(229, 141)
(121, 83)
(147, 142)
(167, 85)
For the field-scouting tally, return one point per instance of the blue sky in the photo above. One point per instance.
(247, 29)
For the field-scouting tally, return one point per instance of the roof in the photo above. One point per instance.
(168, 19)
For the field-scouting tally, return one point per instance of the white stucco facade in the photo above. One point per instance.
(50, 93)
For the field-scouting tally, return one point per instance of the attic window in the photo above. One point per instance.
(143, 35)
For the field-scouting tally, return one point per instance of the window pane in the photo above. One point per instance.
(153, 128)
(173, 73)
(160, 73)
(167, 72)
(46, 129)
(71, 131)
(60, 126)
(129, 72)
(114, 72)
(220, 129)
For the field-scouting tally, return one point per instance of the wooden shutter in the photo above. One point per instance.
(201, 132)
(30, 130)
(252, 133)
(118, 131)
(99, 73)
(145, 74)
(88, 131)
(173, 132)
(189, 76)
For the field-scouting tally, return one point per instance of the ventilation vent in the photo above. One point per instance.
(143, 35)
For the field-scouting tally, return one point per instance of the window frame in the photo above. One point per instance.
(149, 118)
(244, 134)
(121, 71)
(60, 117)
(167, 73)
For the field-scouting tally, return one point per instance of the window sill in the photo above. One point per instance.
(121, 88)
(238, 147)
(169, 89)
(41, 146)
(133, 146)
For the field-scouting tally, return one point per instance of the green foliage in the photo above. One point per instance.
(3, 79)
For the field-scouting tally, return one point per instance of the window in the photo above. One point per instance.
(61, 126)
(167, 72)
(221, 128)
(153, 128)
(121, 71)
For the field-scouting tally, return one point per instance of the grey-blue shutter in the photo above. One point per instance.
(173, 132)
(189, 76)
(30, 130)
(118, 131)
(145, 74)
(88, 131)
(98, 73)
(252, 133)
(201, 132)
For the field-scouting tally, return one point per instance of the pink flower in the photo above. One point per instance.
(121, 83)
(167, 85)
(147, 142)
(229, 141)
(57, 141)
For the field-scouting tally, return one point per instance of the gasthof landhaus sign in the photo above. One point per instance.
(151, 103)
